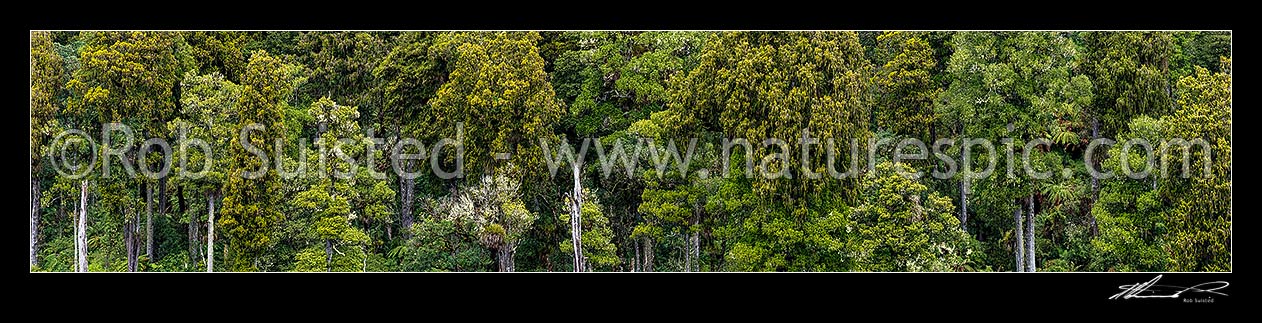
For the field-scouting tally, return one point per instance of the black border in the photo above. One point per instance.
(854, 15)
(1033, 292)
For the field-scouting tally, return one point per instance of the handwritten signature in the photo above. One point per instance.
(1151, 289)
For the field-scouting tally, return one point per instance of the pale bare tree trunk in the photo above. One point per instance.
(163, 208)
(695, 245)
(1020, 236)
(687, 253)
(34, 220)
(576, 222)
(963, 205)
(129, 243)
(1029, 236)
(149, 222)
(210, 235)
(81, 236)
(74, 220)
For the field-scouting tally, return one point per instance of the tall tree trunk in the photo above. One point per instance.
(194, 234)
(81, 236)
(210, 235)
(129, 241)
(34, 220)
(1029, 236)
(687, 252)
(695, 246)
(405, 208)
(964, 204)
(576, 222)
(648, 254)
(74, 221)
(131, 225)
(163, 208)
(504, 258)
(149, 222)
(1019, 234)
(635, 262)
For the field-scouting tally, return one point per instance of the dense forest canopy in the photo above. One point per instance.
(630, 151)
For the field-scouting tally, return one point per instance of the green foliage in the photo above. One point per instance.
(1016, 85)
(1023, 86)
(341, 65)
(442, 244)
(281, 44)
(648, 91)
(598, 246)
(1129, 70)
(46, 82)
(1128, 212)
(611, 79)
(407, 77)
(127, 77)
(57, 254)
(905, 93)
(493, 208)
(250, 206)
(495, 79)
(1180, 221)
(777, 85)
(1200, 203)
(338, 193)
(313, 259)
(1198, 48)
(903, 226)
(220, 52)
(209, 106)
(130, 78)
